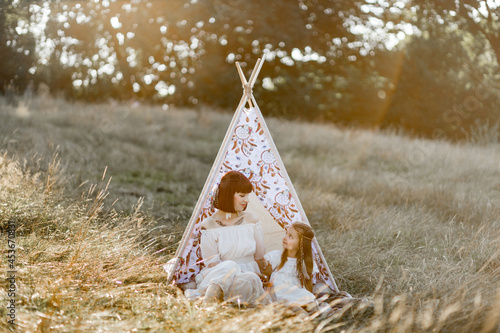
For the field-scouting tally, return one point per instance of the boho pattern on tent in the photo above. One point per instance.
(251, 154)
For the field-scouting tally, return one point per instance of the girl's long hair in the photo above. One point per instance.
(304, 255)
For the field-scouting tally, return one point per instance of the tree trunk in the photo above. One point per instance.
(495, 45)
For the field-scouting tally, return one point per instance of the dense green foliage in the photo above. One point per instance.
(429, 67)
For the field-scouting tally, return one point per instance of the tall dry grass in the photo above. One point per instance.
(101, 195)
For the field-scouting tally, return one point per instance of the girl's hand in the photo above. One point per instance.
(267, 285)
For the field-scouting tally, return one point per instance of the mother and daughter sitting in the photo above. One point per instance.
(236, 264)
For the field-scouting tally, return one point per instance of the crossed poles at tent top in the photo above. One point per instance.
(248, 85)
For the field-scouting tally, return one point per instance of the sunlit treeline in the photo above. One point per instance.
(428, 67)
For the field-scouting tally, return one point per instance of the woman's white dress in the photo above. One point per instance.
(234, 250)
(286, 283)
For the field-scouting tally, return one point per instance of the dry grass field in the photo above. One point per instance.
(100, 196)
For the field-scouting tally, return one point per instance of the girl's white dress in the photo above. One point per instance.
(234, 250)
(286, 283)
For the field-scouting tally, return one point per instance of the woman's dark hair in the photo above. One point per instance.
(304, 254)
(232, 182)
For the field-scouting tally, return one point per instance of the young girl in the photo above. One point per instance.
(293, 268)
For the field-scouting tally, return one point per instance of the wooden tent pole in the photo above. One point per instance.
(253, 78)
(255, 72)
(248, 85)
(257, 69)
(242, 76)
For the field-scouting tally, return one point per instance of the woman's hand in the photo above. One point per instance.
(265, 267)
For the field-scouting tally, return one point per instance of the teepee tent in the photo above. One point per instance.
(248, 148)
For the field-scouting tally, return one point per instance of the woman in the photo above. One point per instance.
(232, 245)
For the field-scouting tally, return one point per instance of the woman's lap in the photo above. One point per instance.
(234, 282)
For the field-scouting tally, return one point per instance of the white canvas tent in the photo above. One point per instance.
(249, 148)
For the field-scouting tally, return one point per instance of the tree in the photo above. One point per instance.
(436, 95)
(17, 46)
(188, 45)
(479, 17)
(326, 59)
